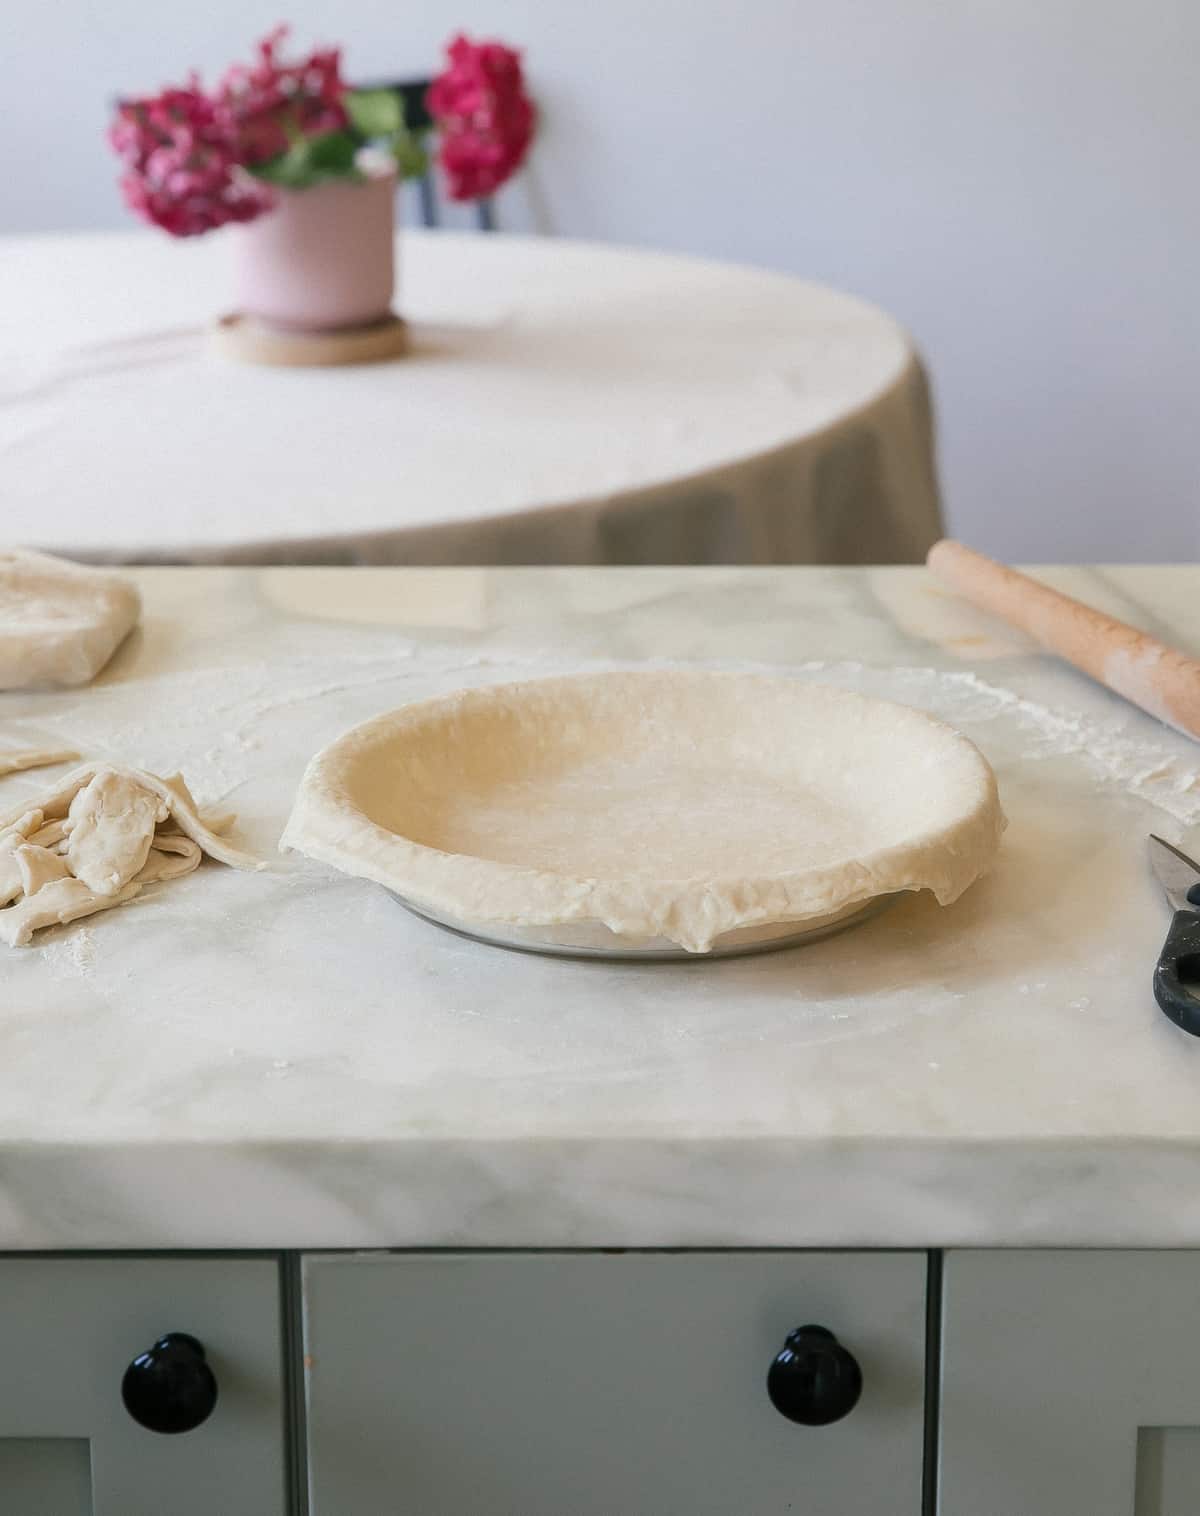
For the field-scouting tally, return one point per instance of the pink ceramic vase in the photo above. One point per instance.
(322, 258)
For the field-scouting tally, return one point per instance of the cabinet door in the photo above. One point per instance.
(621, 1384)
(69, 1328)
(1071, 1384)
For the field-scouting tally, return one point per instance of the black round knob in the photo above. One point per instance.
(814, 1380)
(170, 1387)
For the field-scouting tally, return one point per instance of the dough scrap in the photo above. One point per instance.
(56, 803)
(17, 834)
(55, 905)
(170, 858)
(60, 622)
(39, 868)
(177, 784)
(110, 828)
(14, 761)
(660, 805)
(11, 883)
(93, 840)
(21, 825)
(52, 835)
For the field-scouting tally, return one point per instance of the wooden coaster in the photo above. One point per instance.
(251, 341)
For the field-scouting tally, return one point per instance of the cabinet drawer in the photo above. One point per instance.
(1071, 1384)
(542, 1384)
(69, 1329)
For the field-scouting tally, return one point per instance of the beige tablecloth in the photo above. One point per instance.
(561, 403)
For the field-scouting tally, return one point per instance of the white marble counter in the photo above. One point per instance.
(290, 1059)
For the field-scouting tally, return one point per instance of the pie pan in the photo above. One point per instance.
(650, 813)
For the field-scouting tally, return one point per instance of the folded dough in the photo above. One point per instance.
(52, 835)
(54, 905)
(93, 841)
(170, 858)
(39, 868)
(13, 837)
(110, 827)
(60, 622)
(56, 803)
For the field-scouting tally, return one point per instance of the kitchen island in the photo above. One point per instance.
(288, 1062)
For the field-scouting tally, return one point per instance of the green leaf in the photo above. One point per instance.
(375, 112)
(312, 160)
(332, 156)
(409, 152)
(288, 169)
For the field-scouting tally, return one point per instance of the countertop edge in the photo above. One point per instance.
(595, 1194)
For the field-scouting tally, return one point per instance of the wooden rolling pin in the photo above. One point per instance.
(1160, 679)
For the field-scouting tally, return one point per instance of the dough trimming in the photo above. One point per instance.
(92, 842)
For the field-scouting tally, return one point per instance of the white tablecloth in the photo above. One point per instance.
(562, 403)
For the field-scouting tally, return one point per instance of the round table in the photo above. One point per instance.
(561, 402)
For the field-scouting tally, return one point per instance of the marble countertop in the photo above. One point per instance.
(290, 1059)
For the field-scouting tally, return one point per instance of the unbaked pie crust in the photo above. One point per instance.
(650, 807)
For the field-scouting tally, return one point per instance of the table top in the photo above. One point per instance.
(542, 374)
(290, 1059)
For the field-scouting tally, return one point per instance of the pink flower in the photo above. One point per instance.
(181, 171)
(266, 104)
(485, 119)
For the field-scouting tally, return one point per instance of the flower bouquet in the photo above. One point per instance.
(305, 167)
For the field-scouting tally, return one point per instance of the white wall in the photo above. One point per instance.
(1015, 179)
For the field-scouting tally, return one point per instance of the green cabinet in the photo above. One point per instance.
(600, 1384)
(605, 1384)
(1070, 1384)
(70, 1327)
